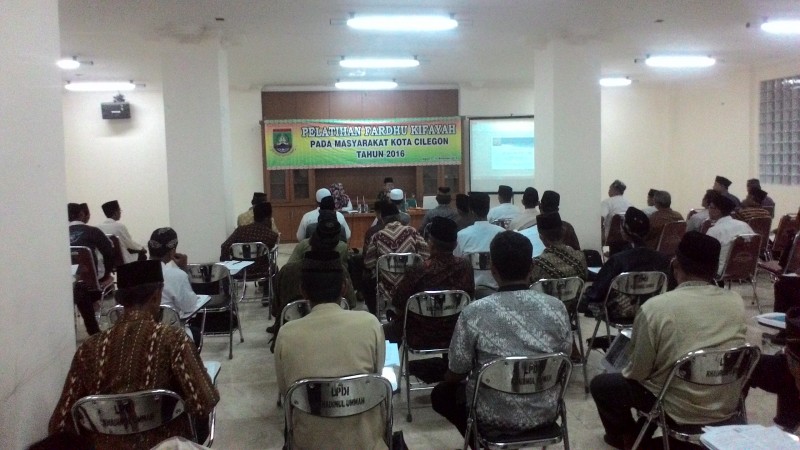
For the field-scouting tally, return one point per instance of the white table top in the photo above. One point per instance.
(202, 300)
(236, 266)
(772, 320)
(391, 364)
(213, 368)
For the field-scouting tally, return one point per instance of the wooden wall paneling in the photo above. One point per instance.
(278, 105)
(379, 104)
(313, 105)
(441, 103)
(346, 105)
(411, 104)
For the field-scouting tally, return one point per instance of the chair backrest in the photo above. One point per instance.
(714, 367)
(615, 230)
(525, 374)
(479, 260)
(437, 303)
(398, 263)
(248, 251)
(630, 289)
(87, 272)
(593, 258)
(122, 414)
(212, 279)
(119, 259)
(707, 224)
(761, 226)
(339, 397)
(793, 262)
(568, 290)
(300, 308)
(501, 223)
(693, 211)
(430, 318)
(671, 236)
(168, 315)
(786, 225)
(742, 259)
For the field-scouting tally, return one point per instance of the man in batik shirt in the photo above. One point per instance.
(441, 271)
(513, 322)
(258, 231)
(558, 259)
(137, 354)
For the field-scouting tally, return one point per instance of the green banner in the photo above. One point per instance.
(314, 144)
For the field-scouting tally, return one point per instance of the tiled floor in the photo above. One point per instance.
(248, 417)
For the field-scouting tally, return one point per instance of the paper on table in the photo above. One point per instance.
(748, 437)
(392, 355)
(774, 320)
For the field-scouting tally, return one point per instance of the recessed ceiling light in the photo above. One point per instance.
(378, 63)
(402, 23)
(615, 81)
(365, 85)
(781, 26)
(99, 86)
(68, 63)
(680, 61)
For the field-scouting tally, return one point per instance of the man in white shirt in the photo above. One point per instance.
(725, 228)
(131, 250)
(505, 210)
(651, 203)
(476, 238)
(694, 222)
(177, 291)
(614, 204)
(527, 218)
(313, 215)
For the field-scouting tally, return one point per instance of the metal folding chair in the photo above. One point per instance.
(671, 236)
(87, 271)
(339, 397)
(481, 261)
(762, 227)
(702, 368)
(436, 310)
(168, 315)
(742, 263)
(214, 279)
(389, 270)
(786, 226)
(614, 240)
(525, 376)
(250, 251)
(568, 290)
(119, 259)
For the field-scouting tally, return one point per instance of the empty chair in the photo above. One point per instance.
(249, 251)
(568, 290)
(671, 236)
(742, 262)
(702, 369)
(214, 279)
(119, 258)
(133, 413)
(787, 226)
(792, 262)
(340, 397)
(762, 227)
(390, 269)
(528, 377)
(428, 325)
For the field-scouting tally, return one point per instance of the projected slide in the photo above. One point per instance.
(501, 152)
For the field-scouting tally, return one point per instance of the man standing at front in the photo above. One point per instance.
(696, 315)
(330, 342)
(513, 322)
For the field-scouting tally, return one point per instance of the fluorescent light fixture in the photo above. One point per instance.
(781, 26)
(402, 23)
(100, 86)
(365, 85)
(68, 63)
(680, 61)
(615, 81)
(378, 63)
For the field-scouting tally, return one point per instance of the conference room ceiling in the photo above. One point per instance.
(297, 43)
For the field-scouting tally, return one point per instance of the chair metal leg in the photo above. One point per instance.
(582, 352)
(755, 294)
(408, 384)
(565, 432)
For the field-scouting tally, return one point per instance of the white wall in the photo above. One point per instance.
(246, 147)
(37, 331)
(121, 159)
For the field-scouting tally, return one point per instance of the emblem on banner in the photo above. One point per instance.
(282, 140)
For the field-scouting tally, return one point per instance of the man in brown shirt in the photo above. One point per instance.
(136, 354)
(258, 231)
(551, 200)
(558, 260)
(663, 215)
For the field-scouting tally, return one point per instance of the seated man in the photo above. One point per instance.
(442, 209)
(247, 217)
(551, 201)
(636, 259)
(311, 216)
(464, 218)
(694, 221)
(725, 228)
(476, 239)
(177, 291)
(557, 260)
(439, 272)
(138, 353)
(721, 185)
(614, 204)
(393, 238)
(397, 198)
(662, 216)
(752, 206)
(651, 203)
(696, 315)
(82, 235)
(131, 250)
(330, 342)
(753, 185)
(505, 210)
(526, 218)
(258, 231)
(513, 322)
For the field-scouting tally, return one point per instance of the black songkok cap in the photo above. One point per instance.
(138, 273)
(326, 236)
(479, 201)
(327, 203)
(262, 210)
(258, 197)
(698, 253)
(443, 195)
(724, 203)
(636, 222)
(388, 180)
(550, 201)
(444, 229)
(530, 197)
(549, 221)
(109, 208)
(73, 209)
(505, 191)
(163, 239)
(723, 181)
(389, 209)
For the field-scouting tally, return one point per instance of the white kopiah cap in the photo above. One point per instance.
(396, 194)
(322, 193)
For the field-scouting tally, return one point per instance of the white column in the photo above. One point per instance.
(197, 130)
(567, 114)
(37, 326)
